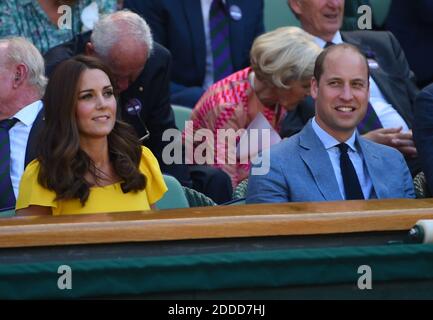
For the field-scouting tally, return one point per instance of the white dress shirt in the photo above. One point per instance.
(355, 155)
(18, 137)
(387, 115)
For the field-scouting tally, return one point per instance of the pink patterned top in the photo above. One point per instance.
(229, 104)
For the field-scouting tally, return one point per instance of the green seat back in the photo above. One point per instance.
(278, 14)
(181, 114)
(174, 197)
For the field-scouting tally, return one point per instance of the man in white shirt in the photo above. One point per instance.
(22, 86)
(392, 86)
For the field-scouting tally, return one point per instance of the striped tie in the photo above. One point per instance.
(7, 196)
(370, 122)
(219, 36)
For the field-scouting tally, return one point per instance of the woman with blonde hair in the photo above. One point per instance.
(282, 63)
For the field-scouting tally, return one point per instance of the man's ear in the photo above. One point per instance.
(90, 49)
(21, 74)
(295, 5)
(314, 88)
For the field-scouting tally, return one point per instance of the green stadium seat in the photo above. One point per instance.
(278, 14)
(174, 197)
(7, 214)
(181, 114)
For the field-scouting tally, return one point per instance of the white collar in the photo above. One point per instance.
(336, 40)
(28, 114)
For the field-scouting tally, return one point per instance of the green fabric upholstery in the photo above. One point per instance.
(197, 199)
(380, 9)
(241, 190)
(351, 15)
(421, 188)
(181, 114)
(261, 272)
(7, 214)
(278, 14)
(174, 197)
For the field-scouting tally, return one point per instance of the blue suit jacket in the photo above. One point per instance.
(423, 132)
(300, 170)
(178, 26)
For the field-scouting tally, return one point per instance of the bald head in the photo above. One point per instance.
(324, 55)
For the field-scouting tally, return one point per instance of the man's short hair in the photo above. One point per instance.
(320, 61)
(20, 50)
(110, 30)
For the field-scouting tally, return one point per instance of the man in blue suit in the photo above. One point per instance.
(328, 159)
(182, 26)
(392, 83)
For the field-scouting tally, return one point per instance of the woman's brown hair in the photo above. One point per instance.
(63, 164)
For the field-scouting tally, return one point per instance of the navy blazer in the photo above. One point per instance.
(423, 132)
(178, 25)
(412, 24)
(300, 170)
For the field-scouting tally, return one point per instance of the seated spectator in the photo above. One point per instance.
(208, 39)
(412, 23)
(45, 25)
(89, 162)
(141, 68)
(282, 63)
(22, 85)
(392, 86)
(423, 132)
(328, 160)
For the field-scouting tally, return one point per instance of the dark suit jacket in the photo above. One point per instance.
(393, 77)
(152, 90)
(423, 132)
(178, 25)
(33, 140)
(412, 24)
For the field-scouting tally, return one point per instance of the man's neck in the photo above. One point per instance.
(14, 105)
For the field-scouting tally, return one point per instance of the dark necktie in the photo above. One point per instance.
(352, 187)
(7, 196)
(328, 44)
(370, 122)
(219, 36)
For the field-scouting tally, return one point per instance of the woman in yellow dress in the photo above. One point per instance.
(89, 162)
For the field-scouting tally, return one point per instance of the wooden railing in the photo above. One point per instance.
(216, 222)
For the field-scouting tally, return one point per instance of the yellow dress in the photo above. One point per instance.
(104, 199)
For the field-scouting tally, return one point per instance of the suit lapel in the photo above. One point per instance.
(32, 142)
(192, 10)
(375, 166)
(317, 160)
